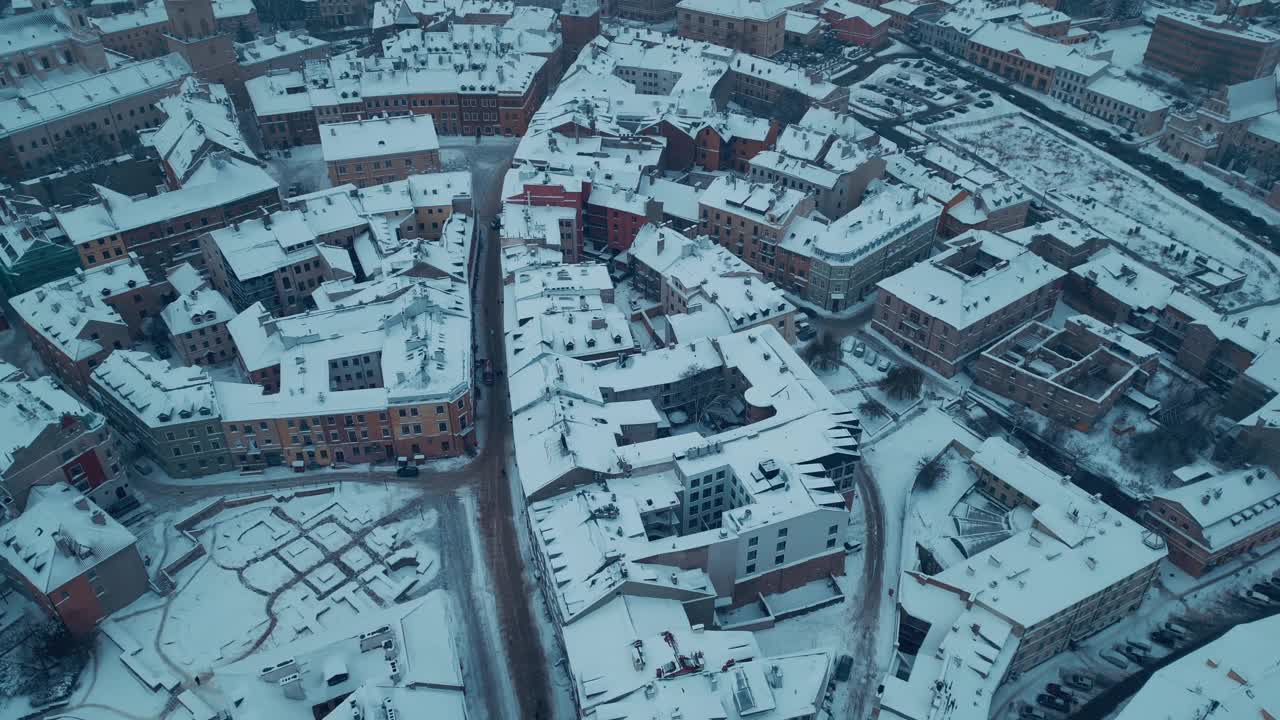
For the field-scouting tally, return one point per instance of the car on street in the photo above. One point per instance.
(1100, 143)
(984, 94)
(804, 330)
(1269, 590)
(496, 223)
(1193, 197)
(852, 547)
(407, 471)
(843, 666)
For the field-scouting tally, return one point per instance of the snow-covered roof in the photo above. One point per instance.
(1076, 546)
(1235, 676)
(883, 217)
(377, 137)
(1250, 99)
(29, 31)
(1128, 92)
(151, 13)
(60, 536)
(614, 651)
(29, 407)
(1240, 28)
(270, 48)
(198, 304)
(419, 328)
(401, 661)
(47, 105)
(782, 687)
(1126, 279)
(850, 9)
(219, 181)
(765, 203)
(157, 393)
(757, 10)
(1231, 505)
(802, 23)
(258, 247)
(1037, 49)
(199, 119)
(959, 298)
(62, 310)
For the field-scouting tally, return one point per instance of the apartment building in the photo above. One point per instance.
(53, 438)
(1033, 60)
(856, 23)
(374, 152)
(973, 197)
(464, 94)
(387, 377)
(47, 126)
(164, 230)
(1215, 520)
(200, 121)
(943, 311)
(751, 26)
(138, 34)
(72, 559)
(169, 413)
(703, 289)
(75, 322)
(276, 260)
(32, 249)
(1074, 375)
(750, 219)
(197, 319)
(1212, 50)
(834, 170)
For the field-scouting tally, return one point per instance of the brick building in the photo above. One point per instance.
(757, 27)
(197, 319)
(1215, 520)
(171, 414)
(75, 322)
(382, 150)
(1213, 50)
(943, 311)
(1074, 375)
(73, 560)
(856, 23)
(53, 438)
(163, 230)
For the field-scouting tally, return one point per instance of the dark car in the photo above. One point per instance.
(1268, 589)
(1058, 691)
(1053, 702)
(843, 666)
(1163, 638)
(407, 471)
(1079, 680)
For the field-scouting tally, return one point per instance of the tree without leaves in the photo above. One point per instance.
(903, 382)
(873, 408)
(930, 472)
(1177, 441)
(823, 353)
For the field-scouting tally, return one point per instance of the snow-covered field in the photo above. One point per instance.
(273, 571)
(1114, 199)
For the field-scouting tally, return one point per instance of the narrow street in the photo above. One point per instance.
(864, 617)
(505, 650)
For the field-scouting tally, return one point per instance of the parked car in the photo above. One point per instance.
(1079, 681)
(1053, 703)
(1163, 638)
(859, 349)
(884, 365)
(496, 223)
(984, 104)
(1254, 598)
(1177, 629)
(843, 666)
(1269, 590)
(142, 467)
(1059, 691)
(163, 352)
(407, 471)
(1114, 658)
(852, 547)
(1030, 712)
(984, 94)
(1134, 654)
(804, 330)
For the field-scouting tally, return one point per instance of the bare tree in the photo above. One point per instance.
(903, 382)
(930, 472)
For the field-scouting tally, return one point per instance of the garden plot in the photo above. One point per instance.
(1114, 199)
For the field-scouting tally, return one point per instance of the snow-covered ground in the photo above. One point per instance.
(912, 90)
(1111, 197)
(289, 566)
(1230, 193)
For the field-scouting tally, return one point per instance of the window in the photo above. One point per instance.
(753, 542)
(782, 532)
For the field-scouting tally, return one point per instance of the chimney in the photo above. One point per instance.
(292, 686)
(99, 518)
